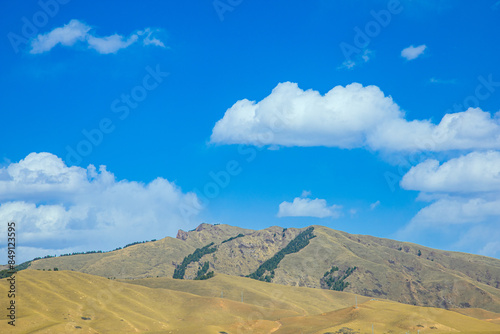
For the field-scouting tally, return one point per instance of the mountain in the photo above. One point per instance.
(315, 257)
(73, 302)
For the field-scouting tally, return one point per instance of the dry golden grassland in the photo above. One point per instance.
(73, 302)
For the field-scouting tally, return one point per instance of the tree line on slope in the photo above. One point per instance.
(180, 270)
(202, 274)
(7, 272)
(299, 242)
(232, 238)
(93, 251)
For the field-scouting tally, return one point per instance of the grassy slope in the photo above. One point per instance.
(304, 301)
(388, 317)
(479, 313)
(55, 302)
(386, 268)
(384, 271)
(143, 260)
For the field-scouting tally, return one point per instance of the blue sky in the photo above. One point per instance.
(370, 117)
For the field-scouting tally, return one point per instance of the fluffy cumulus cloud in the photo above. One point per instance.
(464, 195)
(350, 117)
(413, 52)
(474, 172)
(290, 116)
(73, 208)
(78, 32)
(307, 207)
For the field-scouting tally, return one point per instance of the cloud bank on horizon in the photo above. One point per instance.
(462, 190)
(78, 209)
(78, 32)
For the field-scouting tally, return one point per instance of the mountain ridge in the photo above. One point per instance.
(385, 268)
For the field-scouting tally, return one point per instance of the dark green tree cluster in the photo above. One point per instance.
(203, 269)
(299, 242)
(232, 238)
(343, 330)
(331, 271)
(337, 282)
(195, 256)
(7, 272)
(80, 253)
(137, 242)
(202, 272)
(45, 257)
(208, 275)
(269, 278)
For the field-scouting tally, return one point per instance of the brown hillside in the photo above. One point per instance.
(390, 269)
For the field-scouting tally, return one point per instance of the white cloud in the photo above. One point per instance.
(77, 208)
(464, 195)
(468, 130)
(306, 207)
(474, 172)
(110, 44)
(471, 225)
(374, 205)
(465, 189)
(349, 117)
(457, 210)
(413, 52)
(359, 59)
(148, 39)
(76, 31)
(67, 35)
(290, 116)
(43, 175)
